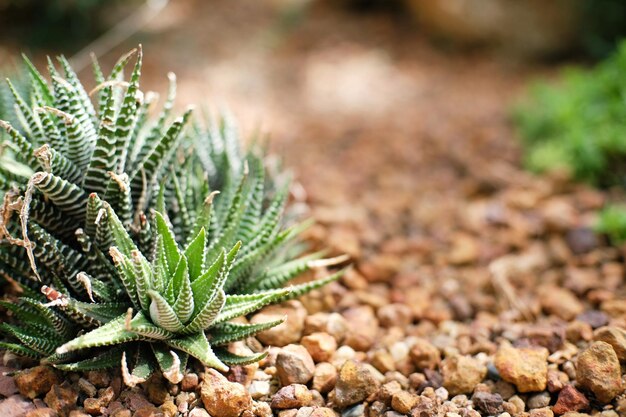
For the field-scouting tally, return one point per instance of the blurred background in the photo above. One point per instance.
(391, 113)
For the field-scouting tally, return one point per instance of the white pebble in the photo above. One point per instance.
(441, 393)
(259, 389)
(399, 351)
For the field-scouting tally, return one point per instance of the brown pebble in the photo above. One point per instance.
(570, 399)
(560, 302)
(598, 371)
(355, 383)
(615, 337)
(363, 328)
(525, 367)
(577, 331)
(261, 409)
(157, 391)
(383, 361)
(461, 374)
(294, 365)
(320, 346)
(425, 355)
(93, 406)
(594, 318)
(189, 382)
(292, 396)
(556, 380)
(403, 401)
(490, 404)
(169, 408)
(518, 405)
(78, 413)
(582, 240)
(87, 387)
(290, 331)
(121, 413)
(465, 249)
(324, 377)
(425, 407)
(318, 399)
(62, 399)
(387, 390)
(223, 398)
(100, 379)
(288, 413)
(42, 412)
(323, 412)
(198, 412)
(7, 383)
(541, 412)
(36, 381)
(395, 315)
(505, 389)
(150, 411)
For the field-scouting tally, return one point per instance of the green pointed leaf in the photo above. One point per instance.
(144, 327)
(111, 333)
(41, 344)
(162, 314)
(142, 363)
(198, 346)
(143, 277)
(38, 81)
(101, 313)
(240, 305)
(278, 276)
(184, 304)
(205, 287)
(203, 217)
(108, 359)
(301, 289)
(236, 360)
(127, 274)
(171, 251)
(226, 333)
(203, 319)
(20, 350)
(120, 236)
(195, 255)
(172, 363)
(103, 158)
(127, 116)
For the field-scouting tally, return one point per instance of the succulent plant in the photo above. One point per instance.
(577, 124)
(119, 240)
(6, 98)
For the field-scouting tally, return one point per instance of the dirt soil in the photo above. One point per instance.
(477, 288)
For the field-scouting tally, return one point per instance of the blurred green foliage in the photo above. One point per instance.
(579, 123)
(612, 222)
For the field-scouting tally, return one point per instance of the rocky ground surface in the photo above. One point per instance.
(477, 289)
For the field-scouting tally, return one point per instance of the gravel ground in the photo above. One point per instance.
(477, 288)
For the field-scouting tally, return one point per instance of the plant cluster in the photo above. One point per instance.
(578, 124)
(136, 239)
